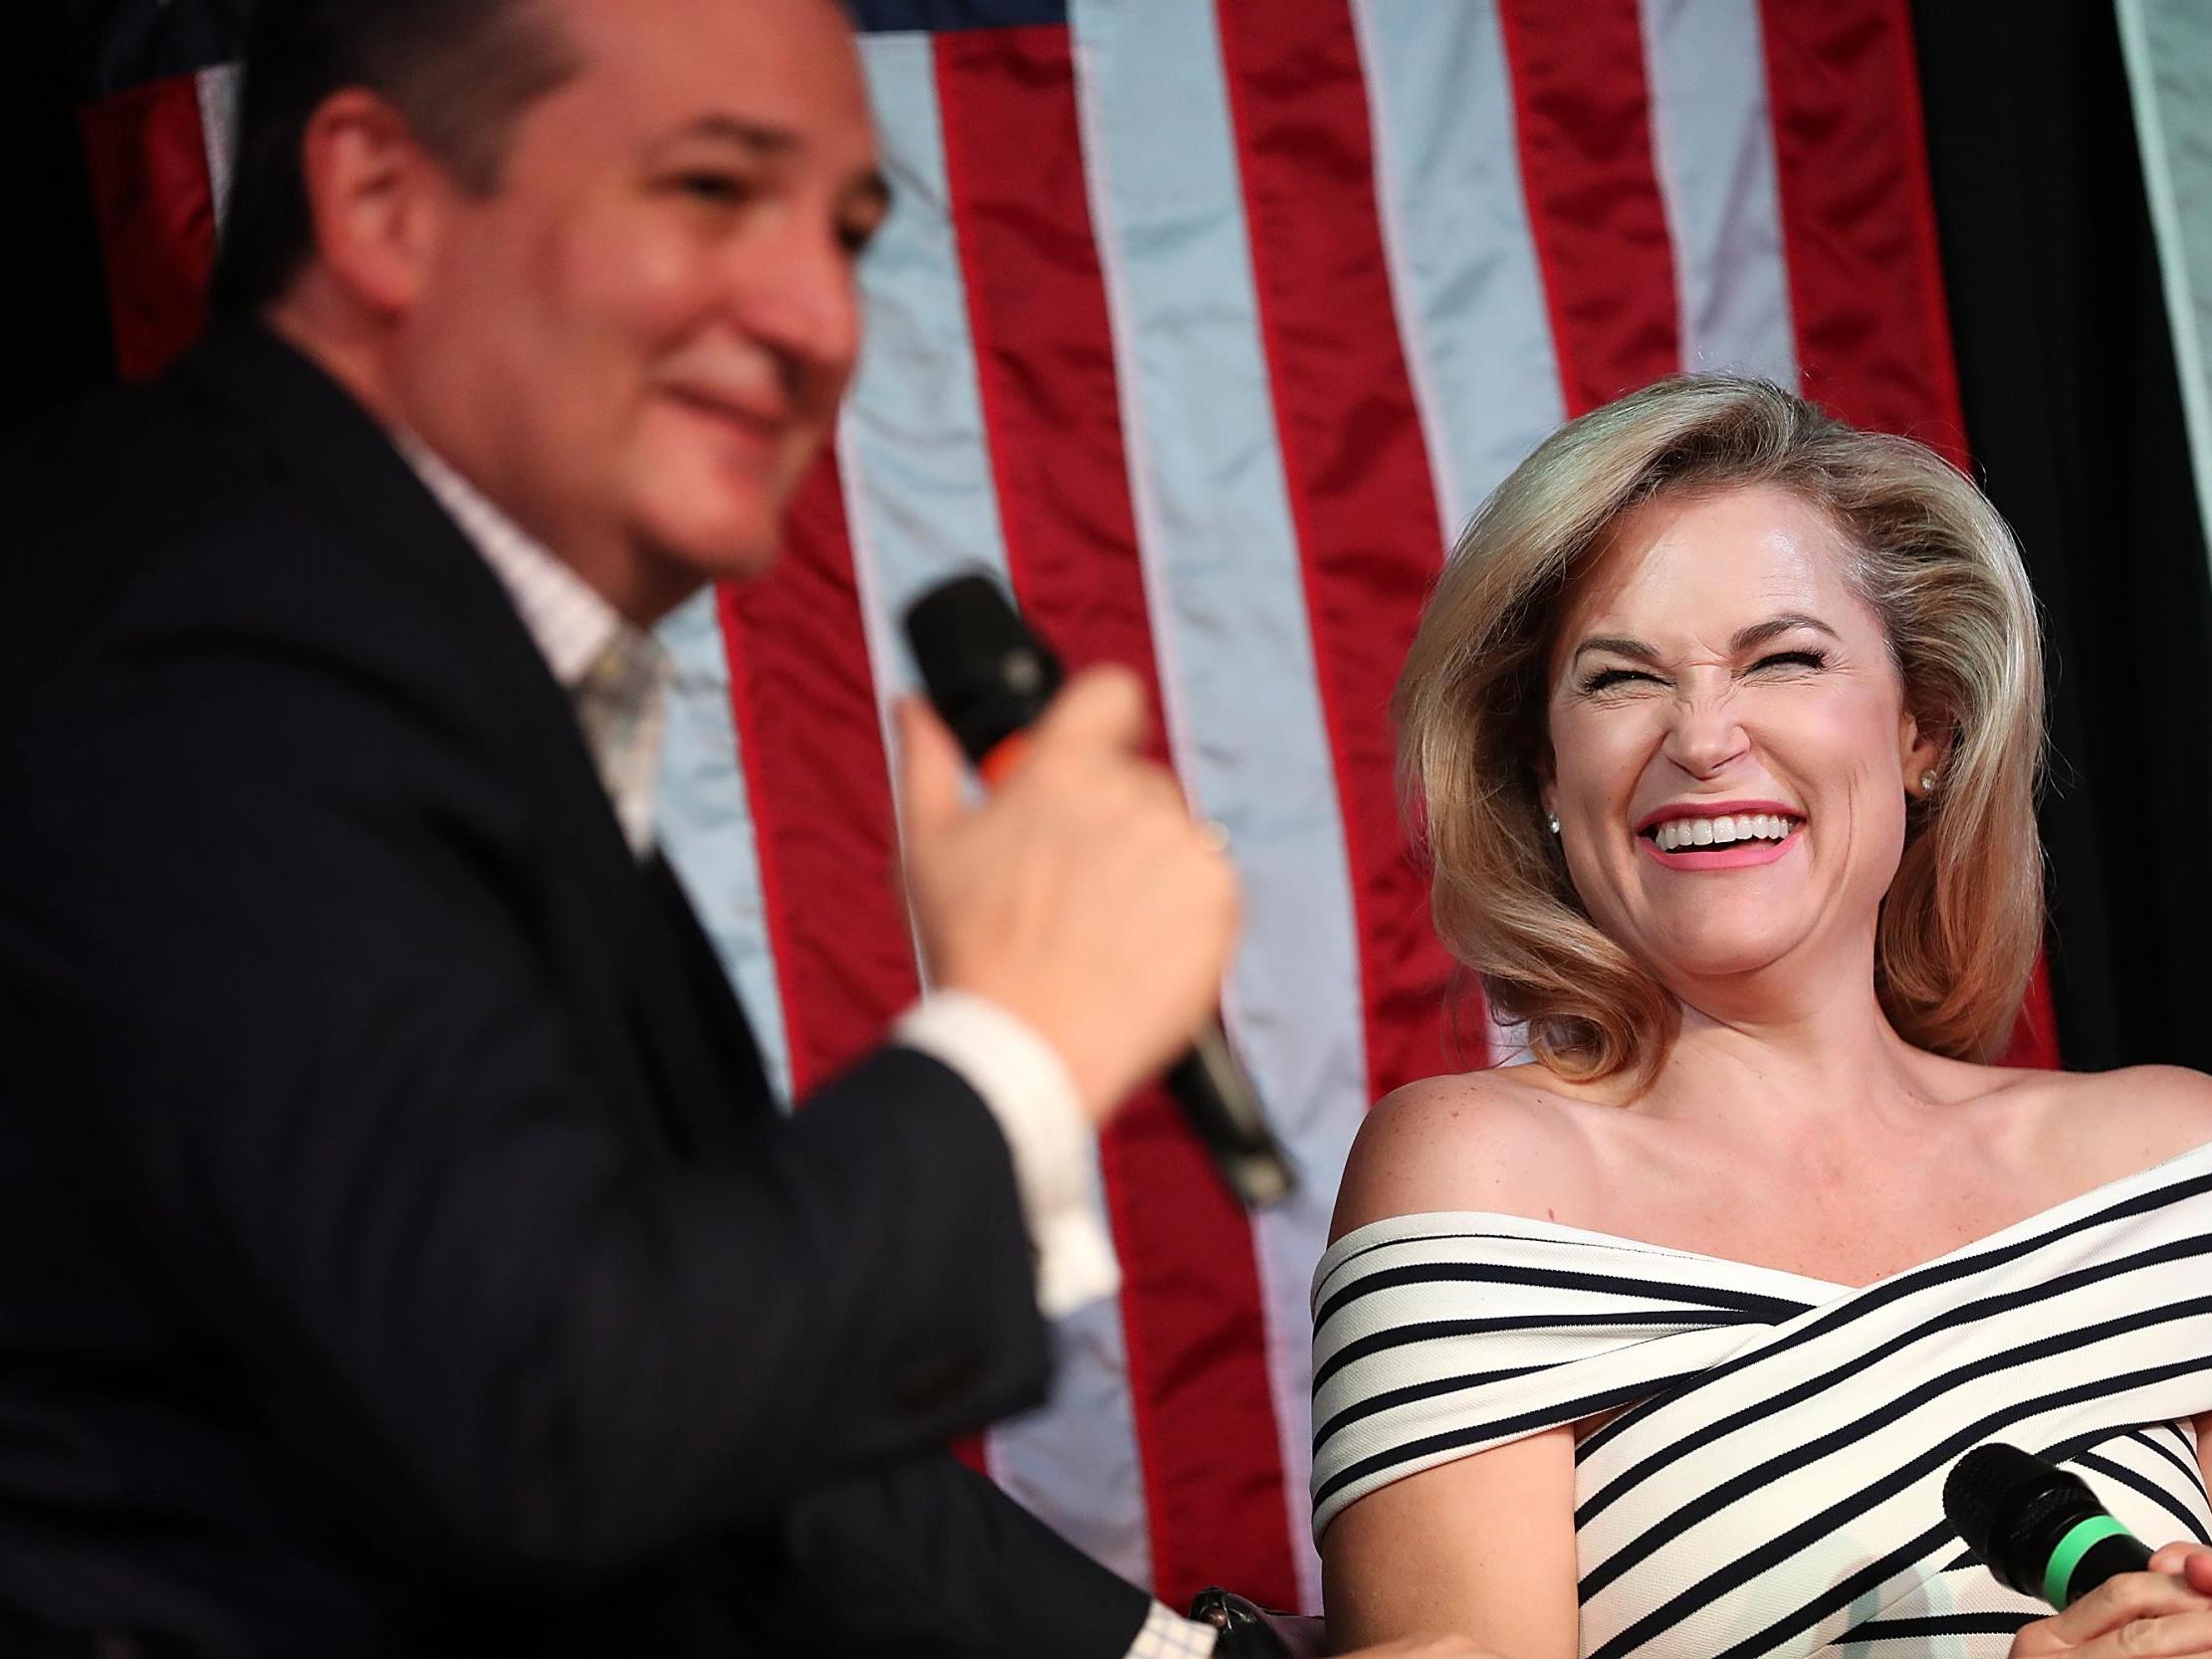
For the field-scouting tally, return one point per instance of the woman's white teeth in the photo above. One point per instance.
(1677, 833)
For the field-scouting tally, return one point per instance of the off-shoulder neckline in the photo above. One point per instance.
(1397, 1228)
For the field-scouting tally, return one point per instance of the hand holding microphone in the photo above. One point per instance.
(2042, 1532)
(1080, 896)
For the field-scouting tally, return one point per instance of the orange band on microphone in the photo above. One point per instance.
(1006, 755)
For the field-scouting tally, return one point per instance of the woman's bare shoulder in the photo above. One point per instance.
(2127, 1119)
(1502, 1140)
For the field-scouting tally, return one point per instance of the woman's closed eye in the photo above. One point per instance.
(1774, 662)
(1608, 679)
(1791, 659)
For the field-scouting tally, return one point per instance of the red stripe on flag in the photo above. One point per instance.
(1874, 334)
(803, 701)
(1191, 1303)
(1583, 116)
(1874, 338)
(1356, 466)
(145, 158)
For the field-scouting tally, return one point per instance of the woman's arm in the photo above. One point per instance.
(1482, 1546)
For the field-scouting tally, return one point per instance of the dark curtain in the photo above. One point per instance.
(2075, 418)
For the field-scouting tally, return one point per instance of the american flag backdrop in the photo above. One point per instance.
(1206, 322)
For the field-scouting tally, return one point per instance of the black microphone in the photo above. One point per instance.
(990, 677)
(2040, 1530)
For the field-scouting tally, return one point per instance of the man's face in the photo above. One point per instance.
(636, 344)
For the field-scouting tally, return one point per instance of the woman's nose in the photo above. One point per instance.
(1705, 735)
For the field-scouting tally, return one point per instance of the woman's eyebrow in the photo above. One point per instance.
(1620, 645)
(1761, 632)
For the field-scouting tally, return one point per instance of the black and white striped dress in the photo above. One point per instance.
(1774, 1485)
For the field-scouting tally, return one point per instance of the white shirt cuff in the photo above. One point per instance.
(1167, 1636)
(1026, 1084)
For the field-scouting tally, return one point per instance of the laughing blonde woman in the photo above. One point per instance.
(1724, 721)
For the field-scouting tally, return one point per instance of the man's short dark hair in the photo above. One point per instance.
(460, 70)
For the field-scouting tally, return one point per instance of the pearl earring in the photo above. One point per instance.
(1552, 818)
(1928, 782)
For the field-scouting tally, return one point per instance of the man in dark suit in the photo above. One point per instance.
(399, 1251)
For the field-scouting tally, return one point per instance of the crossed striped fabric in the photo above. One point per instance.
(1772, 1484)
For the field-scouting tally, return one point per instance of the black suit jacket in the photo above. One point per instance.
(399, 1251)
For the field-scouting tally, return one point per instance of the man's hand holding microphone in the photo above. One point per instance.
(1080, 896)
(1100, 910)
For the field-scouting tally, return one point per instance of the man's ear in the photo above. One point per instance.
(375, 199)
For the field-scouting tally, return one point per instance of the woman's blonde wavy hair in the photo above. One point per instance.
(1960, 927)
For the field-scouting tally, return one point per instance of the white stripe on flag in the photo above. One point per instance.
(217, 91)
(913, 435)
(922, 506)
(704, 823)
(1712, 146)
(1226, 594)
(2167, 45)
(1469, 293)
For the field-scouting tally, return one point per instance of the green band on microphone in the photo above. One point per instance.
(2079, 1540)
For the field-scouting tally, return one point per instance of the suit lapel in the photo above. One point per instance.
(607, 923)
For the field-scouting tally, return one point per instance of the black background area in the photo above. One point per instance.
(2075, 417)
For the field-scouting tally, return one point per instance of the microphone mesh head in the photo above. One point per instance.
(984, 671)
(1987, 1493)
(1986, 1484)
